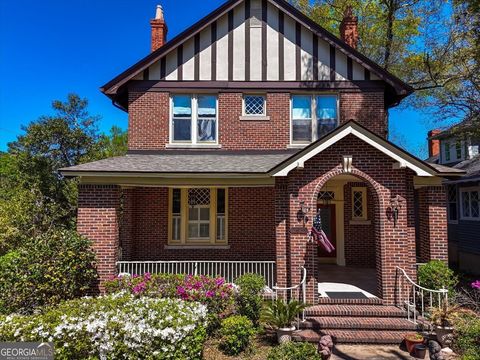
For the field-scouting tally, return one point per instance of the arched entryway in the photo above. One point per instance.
(348, 204)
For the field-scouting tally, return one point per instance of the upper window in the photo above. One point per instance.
(453, 150)
(470, 206)
(359, 203)
(254, 105)
(313, 117)
(194, 119)
(452, 203)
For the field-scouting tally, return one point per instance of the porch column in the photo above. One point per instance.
(433, 233)
(281, 230)
(98, 211)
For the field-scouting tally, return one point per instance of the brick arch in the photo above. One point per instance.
(380, 203)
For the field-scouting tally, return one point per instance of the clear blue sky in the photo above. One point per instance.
(49, 48)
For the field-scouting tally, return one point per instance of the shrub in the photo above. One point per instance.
(467, 336)
(236, 333)
(249, 298)
(113, 327)
(437, 275)
(294, 350)
(55, 266)
(280, 314)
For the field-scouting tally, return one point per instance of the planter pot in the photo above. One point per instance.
(285, 334)
(420, 351)
(410, 344)
(444, 335)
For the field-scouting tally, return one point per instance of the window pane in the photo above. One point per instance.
(466, 204)
(326, 107)
(220, 201)
(324, 126)
(206, 130)
(357, 204)
(220, 228)
(176, 228)
(205, 230)
(205, 214)
(182, 129)
(458, 148)
(207, 106)
(176, 201)
(254, 105)
(452, 211)
(474, 204)
(182, 106)
(447, 151)
(193, 230)
(302, 130)
(452, 194)
(192, 213)
(301, 107)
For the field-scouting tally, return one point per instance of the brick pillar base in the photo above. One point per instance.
(98, 207)
(433, 234)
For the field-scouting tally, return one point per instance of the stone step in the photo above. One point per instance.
(354, 310)
(340, 336)
(357, 323)
(370, 301)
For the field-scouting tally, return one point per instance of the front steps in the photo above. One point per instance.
(355, 324)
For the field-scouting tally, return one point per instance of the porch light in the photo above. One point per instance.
(395, 206)
(302, 213)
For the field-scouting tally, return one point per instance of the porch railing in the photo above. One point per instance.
(416, 299)
(297, 292)
(230, 270)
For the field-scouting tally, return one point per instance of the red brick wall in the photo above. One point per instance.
(433, 233)
(359, 238)
(149, 119)
(251, 227)
(97, 219)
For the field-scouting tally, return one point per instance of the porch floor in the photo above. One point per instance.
(344, 279)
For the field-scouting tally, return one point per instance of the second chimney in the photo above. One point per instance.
(349, 28)
(159, 29)
(433, 144)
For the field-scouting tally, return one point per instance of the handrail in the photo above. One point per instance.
(415, 296)
(295, 287)
(304, 278)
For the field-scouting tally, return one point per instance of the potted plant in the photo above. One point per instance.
(280, 315)
(442, 318)
(412, 339)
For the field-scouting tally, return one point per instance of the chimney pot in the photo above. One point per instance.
(433, 144)
(159, 29)
(349, 28)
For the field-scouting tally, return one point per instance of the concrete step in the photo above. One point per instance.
(357, 323)
(350, 336)
(354, 310)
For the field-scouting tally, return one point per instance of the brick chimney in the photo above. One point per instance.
(159, 29)
(433, 144)
(349, 28)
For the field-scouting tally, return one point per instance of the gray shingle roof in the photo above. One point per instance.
(187, 162)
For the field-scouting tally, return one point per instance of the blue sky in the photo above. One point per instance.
(52, 47)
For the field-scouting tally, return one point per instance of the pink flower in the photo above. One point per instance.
(220, 281)
(137, 289)
(210, 294)
(181, 290)
(135, 276)
(476, 284)
(147, 276)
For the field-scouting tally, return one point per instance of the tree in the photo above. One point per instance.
(114, 144)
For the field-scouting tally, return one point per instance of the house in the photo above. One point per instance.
(451, 148)
(241, 129)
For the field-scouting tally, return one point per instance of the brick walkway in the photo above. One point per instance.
(370, 352)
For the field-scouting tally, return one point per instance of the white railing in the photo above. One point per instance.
(230, 270)
(296, 292)
(416, 299)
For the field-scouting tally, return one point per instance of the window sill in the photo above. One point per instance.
(181, 247)
(360, 222)
(193, 146)
(297, 146)
(254, 118)
(453, 222)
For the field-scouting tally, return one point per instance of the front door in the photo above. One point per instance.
(327, 212)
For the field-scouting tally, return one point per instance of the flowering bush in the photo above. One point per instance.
(212, 292)
(115, 326)
(476, 285)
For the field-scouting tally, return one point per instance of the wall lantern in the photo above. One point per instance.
(302, 213)
(395, 206)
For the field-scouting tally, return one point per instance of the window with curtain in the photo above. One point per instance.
(194, 119)
(313, 117)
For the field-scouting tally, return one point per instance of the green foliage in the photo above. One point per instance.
(437, 275)
(294, 351)
(467, 336)
(114, 327)
(236, 334)
(280, 314)
(249, 298)
(114, 144)
(52, 267)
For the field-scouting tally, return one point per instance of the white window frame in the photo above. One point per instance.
(451, 145)
(450, 220)
(363, 191)
(314, 116)
(264, 105)
(462, 192)
(194, 121)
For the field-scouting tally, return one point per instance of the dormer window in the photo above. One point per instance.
(313, 117)
(193, 119)
(453, 150)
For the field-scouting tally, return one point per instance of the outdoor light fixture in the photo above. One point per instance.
(395, 205)
(347, 163)
(302, 213)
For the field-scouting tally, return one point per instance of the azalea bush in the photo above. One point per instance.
(115, 326)
(437, 275)
(236, 334)
(249, 297)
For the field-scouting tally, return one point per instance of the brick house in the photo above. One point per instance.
(241, 129)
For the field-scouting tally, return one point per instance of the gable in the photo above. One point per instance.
(256, 41)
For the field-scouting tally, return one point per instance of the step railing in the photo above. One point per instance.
(417, 299)
(297, 292)
(229, 270)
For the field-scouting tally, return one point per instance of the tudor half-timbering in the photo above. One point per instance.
(241, 129)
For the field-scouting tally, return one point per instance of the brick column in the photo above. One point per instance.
(433, 234)
(98, 210)
(281, 230)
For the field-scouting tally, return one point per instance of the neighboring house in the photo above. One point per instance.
(463, 194)
(240, 129)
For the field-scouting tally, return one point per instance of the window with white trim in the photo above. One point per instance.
(312, 117)
(198, 216)
(254, 105)
(452, 203)
(193, 119)
(470, 203)
(359, 203)
(453, 150)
